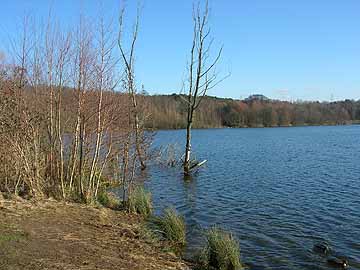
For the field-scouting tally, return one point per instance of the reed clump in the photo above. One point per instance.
(108, 200)
(139, 202)
(221, 252)
(172, 227)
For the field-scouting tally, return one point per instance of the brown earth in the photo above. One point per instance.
(54, 235)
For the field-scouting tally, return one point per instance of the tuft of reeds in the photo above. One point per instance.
(139, 202)
(108, 200)
(222, 251)
(172, 227)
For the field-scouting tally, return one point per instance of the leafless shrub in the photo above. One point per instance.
(65, 130)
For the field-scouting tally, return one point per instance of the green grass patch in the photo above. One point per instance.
(9, 237)
(172, 228)
(108, 200)
(149, 235)
(222, 251)
(139, 202)
(12, 236)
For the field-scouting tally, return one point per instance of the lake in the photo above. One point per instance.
(278, 190)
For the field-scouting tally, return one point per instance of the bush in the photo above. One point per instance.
(172, 227)
(222, 251)
(139, 202)
(108, 200)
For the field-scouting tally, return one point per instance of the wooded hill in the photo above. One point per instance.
(169, 112)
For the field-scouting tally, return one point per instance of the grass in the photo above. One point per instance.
(11, 237)
(108, 200)
(139, 202)
(222, 251)
(10, 233)
(149, 235)
(172, 227)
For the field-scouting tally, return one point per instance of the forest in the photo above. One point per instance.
(169, 112)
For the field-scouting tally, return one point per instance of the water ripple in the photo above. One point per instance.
(279, 191)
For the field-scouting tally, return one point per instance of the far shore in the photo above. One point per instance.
(353, 123)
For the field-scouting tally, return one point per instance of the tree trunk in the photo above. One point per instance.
(202, 74)
(187, 149)
(137, 142)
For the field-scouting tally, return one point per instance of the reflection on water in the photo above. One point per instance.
(278, 190)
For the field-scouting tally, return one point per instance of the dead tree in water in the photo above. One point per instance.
(202, 74)
(130, 85)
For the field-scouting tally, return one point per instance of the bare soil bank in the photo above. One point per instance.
(54, 235)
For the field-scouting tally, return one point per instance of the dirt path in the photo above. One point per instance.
(52, 235)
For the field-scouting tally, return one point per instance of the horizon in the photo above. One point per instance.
(286, 51)
(254, 94)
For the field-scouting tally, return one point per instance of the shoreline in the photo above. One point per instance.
(258, 127)
(48, 234)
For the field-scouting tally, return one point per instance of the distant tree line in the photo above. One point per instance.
(169, 112)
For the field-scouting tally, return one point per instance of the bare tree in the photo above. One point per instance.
(64, 45)
(201, 71)
(129, 82)
(103, 70)
(62, 124)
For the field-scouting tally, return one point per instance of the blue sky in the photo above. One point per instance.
(299, 49)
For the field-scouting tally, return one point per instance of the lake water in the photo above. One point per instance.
(278, 190)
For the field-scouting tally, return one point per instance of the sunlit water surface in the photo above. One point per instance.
(279, 190)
